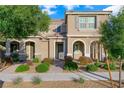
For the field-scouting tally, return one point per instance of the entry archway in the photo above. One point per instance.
(78, 49)
(14, 46)
(30, 49)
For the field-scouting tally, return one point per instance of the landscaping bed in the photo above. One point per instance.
(62, 84)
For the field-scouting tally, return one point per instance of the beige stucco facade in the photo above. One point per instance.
(60, 39)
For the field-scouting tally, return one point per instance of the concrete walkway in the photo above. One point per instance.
(61, 76)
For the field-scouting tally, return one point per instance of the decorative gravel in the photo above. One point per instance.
(62, 84)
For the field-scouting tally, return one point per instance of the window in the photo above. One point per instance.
(86, 23)
(58, 29)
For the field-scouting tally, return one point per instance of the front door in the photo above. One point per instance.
(59, 50)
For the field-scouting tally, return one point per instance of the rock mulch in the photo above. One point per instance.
(62, 84)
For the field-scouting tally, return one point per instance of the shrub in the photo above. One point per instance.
(85, 60)
(68, 58)
(36, 80)
(29, 62)
(123, 66)
(22, 68)
(81, 80)
(42, 68)
(70, 66)
(17, 80)
(91, 67)
(36, 60)
(48, 60)
(97, 64)
(112, 66)
(15, 57)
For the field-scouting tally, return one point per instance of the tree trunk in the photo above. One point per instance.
(110, 75)
(120, 69)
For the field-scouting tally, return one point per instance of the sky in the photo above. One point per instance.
(57, 11)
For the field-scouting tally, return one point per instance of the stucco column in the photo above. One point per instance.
(87, 49)
(69, 47)
(8, 48)
(22, 47)
(52, 49)
(22, 52)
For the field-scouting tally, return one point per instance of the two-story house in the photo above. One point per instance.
(76, 35)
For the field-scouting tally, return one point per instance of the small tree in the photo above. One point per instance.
(22, 21)
(113, 36)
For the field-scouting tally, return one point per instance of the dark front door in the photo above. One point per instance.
(59, 49)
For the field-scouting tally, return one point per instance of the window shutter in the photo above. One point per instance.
(76, 22)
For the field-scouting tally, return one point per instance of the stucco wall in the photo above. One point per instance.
(72, 30)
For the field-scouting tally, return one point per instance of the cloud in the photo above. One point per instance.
(71, 7)
(89, 7)
(48, 9)
(115, 9)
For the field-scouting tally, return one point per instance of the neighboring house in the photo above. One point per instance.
(77, 35)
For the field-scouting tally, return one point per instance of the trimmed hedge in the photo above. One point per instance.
(112, 66)
(70, 66)
(44, 67)
(22, 68)
(91, 67)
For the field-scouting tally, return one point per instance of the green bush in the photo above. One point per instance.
(91, 67)
(15, 57)
(36, 60)
(42, 68)
(81, 80)
(22, 68)
(48, 60)
(85, 60)
(112, 66)
(17, 80)
(123, 66)
(97, 64)
(70, 66)
(36, 80)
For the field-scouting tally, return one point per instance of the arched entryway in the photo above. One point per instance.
(97, 51)
(14, 46)
(30, 49)
(78, 49)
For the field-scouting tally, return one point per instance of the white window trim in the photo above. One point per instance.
(87, 28)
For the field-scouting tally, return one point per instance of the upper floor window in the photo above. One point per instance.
(86, 23)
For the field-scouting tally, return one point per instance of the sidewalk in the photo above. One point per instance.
(61, 76)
